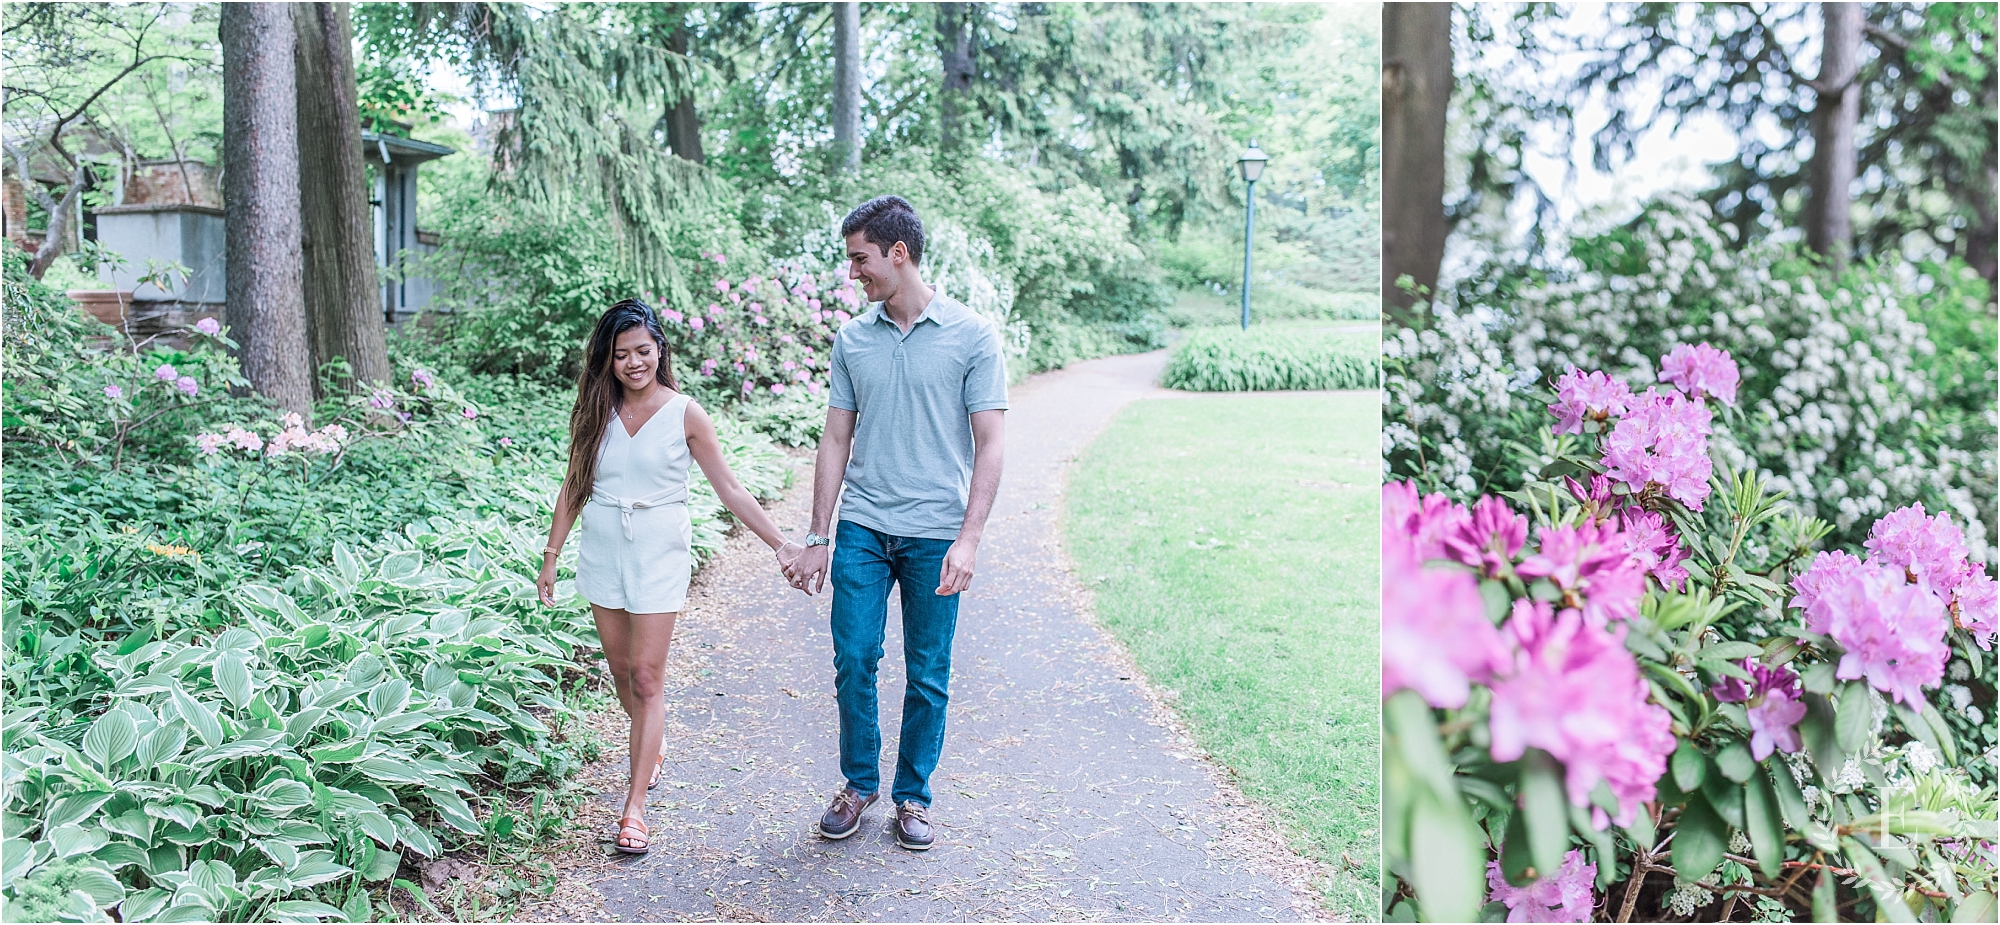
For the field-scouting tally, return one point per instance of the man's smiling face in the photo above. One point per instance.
(876, 270)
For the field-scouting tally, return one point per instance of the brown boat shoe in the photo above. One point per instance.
(843, 817)
(913, 826)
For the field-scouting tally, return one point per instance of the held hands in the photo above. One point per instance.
(788, 553)
(807, 570)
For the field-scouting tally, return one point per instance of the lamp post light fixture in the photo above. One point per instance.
(1252, 164)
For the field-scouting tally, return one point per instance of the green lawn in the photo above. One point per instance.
(1232, 543)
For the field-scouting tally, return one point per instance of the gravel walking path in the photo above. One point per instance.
(1067, 790)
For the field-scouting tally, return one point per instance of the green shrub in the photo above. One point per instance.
(1273, 359)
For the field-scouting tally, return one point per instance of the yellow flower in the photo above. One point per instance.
(172, 552)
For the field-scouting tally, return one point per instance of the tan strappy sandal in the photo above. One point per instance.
(623, 843)
(658, 766)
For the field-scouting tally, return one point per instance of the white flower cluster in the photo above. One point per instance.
(1838, 418)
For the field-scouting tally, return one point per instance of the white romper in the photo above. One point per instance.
(636, 551)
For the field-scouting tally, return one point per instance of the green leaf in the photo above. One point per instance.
(1642, 831)
(382, 769)
(1724, 796)
(120, 854)
(198, 717)
(301, 910)
(75, 808)
(382, 865)
(389, 697)
(377, 826)
(348, 566)
(1818, 678)
(1450, 881)
(1731, 651)
(1543, 803)
(1825, 904)
(1699, 840)
(413, 835)
(1767, 836)
(1688, 765)
(400, 567)
(110, 738)
(357, 908)
(1817, 730)
(453, 810)
(1791, 802)
(1855, 717)
(1979, 907)
(163, 744)
(232, 678)
(1514, 858)
(1947, 740)
(339, 752)
(70, 841)
(283, 796)
(365, 669)
(1735, 762)
(143, 905)
(103, 889)
(316, 867)
(1888, 899)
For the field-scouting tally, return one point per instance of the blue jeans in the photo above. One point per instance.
(866, 563)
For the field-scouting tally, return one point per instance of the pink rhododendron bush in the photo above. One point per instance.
(1639, 686)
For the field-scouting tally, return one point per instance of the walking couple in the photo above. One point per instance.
(913, 435)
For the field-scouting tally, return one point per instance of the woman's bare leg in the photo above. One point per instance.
(614, 631)
(647, 644)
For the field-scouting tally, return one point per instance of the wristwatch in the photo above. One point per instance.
(814, 539)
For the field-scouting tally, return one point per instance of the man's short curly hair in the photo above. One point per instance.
(885, 220)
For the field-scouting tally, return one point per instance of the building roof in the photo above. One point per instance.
(399, 150)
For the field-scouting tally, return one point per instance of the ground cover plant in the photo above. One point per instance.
(1668, 703)
(1275, 357)
(1229, 542)
(251, 663)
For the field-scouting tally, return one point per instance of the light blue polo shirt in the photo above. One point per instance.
(911, 466)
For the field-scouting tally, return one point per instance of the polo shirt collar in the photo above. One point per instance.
(939, 310)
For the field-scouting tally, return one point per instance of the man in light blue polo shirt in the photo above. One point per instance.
(913, 434)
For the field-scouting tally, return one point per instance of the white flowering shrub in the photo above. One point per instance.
(1852, 405)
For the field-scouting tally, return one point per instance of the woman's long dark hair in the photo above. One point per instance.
(599, 393)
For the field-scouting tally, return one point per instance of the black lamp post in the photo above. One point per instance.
(1252, 163)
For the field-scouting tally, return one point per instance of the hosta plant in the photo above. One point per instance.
(271, 770)
(1635, 672)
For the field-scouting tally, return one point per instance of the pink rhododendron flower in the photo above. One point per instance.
(423, 378)
(753, 282)
(748, 386)
(506, 441)
(708, 367)
(1826, 568)
(1592, 395)
(187, 386)
(1663, 440)
(1593, 566)
(1574, 691)
(736, 298)
(1653, 544)
(1488, 538)
(1564, 897)
(114, 392)
(382, 400)
(209, 443)
(756, 308)
(721, 285)
(812, 388)
(813, 304)
(469, 412)
(1891, 631)
(166, 373)
(1774, 706)
(761, 320)
(786, 338)
(672, 315)
(789, 366)
(816, 316)
(801, 376)
(841, 316)
(1436, 639)
(777, 388)
(1974, 610)
(245, 440)
(208, 326)
(1424, 521)
(750, 355)
(696, 323)
(738, 366)
(1701, 370)
(1932, 551)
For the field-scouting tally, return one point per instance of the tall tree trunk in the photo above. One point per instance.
(260, 191)
(683, 123)
(954, 26)
(1829, 220)
(847, 86)
(1416, 93)
(343, 300)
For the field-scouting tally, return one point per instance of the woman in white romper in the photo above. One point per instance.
(632, 435)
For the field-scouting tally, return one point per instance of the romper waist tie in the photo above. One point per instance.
(626, 507)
